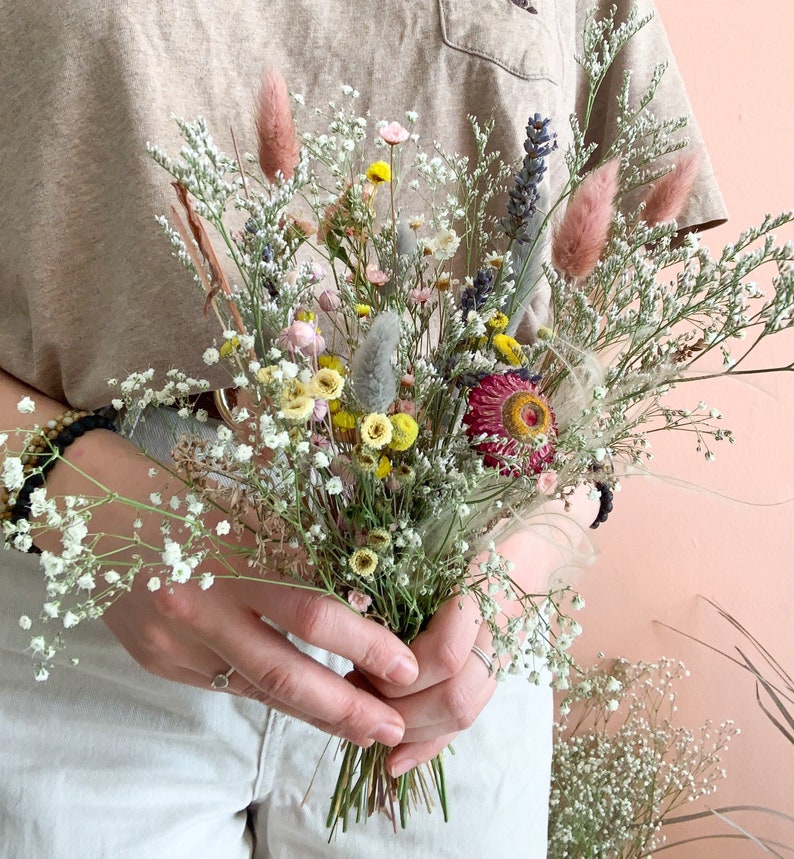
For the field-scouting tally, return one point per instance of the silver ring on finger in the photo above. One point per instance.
(221, 681)
(482, 655)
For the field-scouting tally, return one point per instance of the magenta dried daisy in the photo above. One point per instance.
(509, 406)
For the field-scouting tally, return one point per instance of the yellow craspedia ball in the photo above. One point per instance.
(404, 430)
(509, 350)
(331, 362)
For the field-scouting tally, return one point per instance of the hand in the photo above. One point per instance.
(454, 685)
(189, 635)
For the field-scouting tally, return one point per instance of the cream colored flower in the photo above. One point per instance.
(327, 384)
(363, 562)
(376, 430)
(298, 408)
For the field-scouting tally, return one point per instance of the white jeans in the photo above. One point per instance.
(107, 760)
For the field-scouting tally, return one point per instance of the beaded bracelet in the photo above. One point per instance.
(605, 503)
(41, 454)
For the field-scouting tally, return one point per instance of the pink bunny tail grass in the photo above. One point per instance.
(669, 194)
(582, 235)
(279, 150)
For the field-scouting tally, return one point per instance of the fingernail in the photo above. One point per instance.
(388, 733)
(403, 670)
(400, 767)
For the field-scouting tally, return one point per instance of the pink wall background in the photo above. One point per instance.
(732, 541)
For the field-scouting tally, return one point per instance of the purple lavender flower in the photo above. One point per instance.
(524, 195)
(476, 294)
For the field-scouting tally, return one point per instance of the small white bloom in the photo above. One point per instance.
(153, 472)
(153, 584)
(117, 404)
(180, 572)
(244, 453)
(224, 433)
(111, 577)
(156, 499)
(334, 486)
(321, 459)
(86, 582)
(174, 501)
(172, 553)
(70, 619)
(25, 622)
(26, 406)
(3, 438)
(206, 580)
(41, 673)
(51, 609)
(13, 474)
(222, 528)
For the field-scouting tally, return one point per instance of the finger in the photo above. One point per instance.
(270, 669)
(443, 648)
(452, 705)
(409, 755)
(324, 621)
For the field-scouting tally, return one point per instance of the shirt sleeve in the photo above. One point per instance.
(644, 51)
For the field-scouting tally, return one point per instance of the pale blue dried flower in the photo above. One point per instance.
(373, 380)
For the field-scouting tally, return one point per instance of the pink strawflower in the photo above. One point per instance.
(408, 380)
(279, 149)
(669, 194)
(302, 337)
(582, 235)
(360, 602)
(394, 133)
(420, 294)
(375, 276)
(547, 482)
(509, 406)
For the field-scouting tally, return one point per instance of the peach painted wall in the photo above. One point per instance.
(734, 540)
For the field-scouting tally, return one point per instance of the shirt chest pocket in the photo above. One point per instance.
(523, 44)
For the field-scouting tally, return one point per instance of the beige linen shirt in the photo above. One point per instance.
(88, 287)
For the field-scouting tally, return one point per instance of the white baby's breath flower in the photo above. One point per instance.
(86, 582)
(334, 486)
(111, 577)
(41, 673)
(224, 433)
(51, 609)
(3, 438)
(70, 619)
(206, 581)
(321, 459)
(180, 572)
(13, 474)
(154, 584)
(244, 453)
(172, 553)
(156, 499)
(26, 406)
(222, 528)
(25, 622)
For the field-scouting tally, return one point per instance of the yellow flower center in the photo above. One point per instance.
(525, 416)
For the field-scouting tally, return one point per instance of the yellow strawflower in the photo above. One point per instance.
(327, 384)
